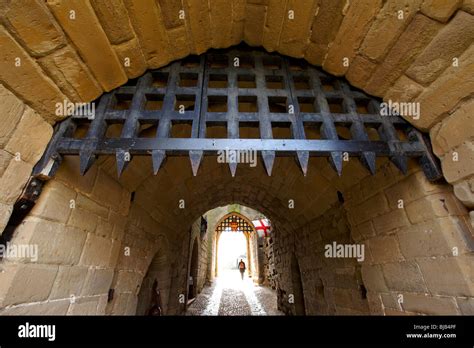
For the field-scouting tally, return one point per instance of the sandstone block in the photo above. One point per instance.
(439, 9)
(434, 238)
(97, 282)
(54, 202)
(107, 190)
(276, 14)
(11, 109)
(385, 249)
(462, 168)
(5, 212)
(114, 20)
(27, 80)
(393, 220)
(466, 305)
(68, 172)
(23, 283)
(445, 93)
(89, 38)
(387, 27)
(451, 42)
(97, 251)
(199, 23)
(254, 23)
(403, 90)
(295, 32)
(13, 179)
(452, 276)
(409, 45)
(84, 306)
(69, 282)
(151, 32)
(83, 220)
(34, 25)
(464, 193)
(404, 276)
(352, 31)
(360, 71)
(71, 75)
(131, 57)
(56, 244)
(425, 304)
(412, 188)
(31, 137)
(454, 129)
(327, 21)
(437, 205)
(58, 307)
(373, 278)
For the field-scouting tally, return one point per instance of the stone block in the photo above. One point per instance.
(97, 251)
(28, 80)
(71, 75)
(131, 57)
(404, 276)
(404, 90)
(352, 31)
(30, 137)
(295, 33)
(409, 45)
(54, 202)
(450, 43)
(387, 27)
(433, 206)
(57, 307)
(34, 25)
(459, 163)
(385, 249)
(24, 283)
(253, 29)
(11, 109)
(452, 276)
(114, 20)
(89, 38)
(425, 304)
(13, 180)
(151, 32)
(396, 219)
(69, 282)
(440, 10)
(373, 278)
(445, 93)
(84, 306)
(454, 129)
(97, 282)
(437, 237)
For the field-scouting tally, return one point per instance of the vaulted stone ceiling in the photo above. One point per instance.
(76, 50)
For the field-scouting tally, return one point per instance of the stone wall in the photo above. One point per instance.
(78, 230)
(84, 225)
(400, 50)
(418, 251)
(331, 285)
(419, 243)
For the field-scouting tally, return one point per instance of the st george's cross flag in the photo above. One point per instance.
(262, 226)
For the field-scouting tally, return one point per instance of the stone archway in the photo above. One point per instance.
(416, 239)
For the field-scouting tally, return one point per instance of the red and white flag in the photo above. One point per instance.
(262, 226)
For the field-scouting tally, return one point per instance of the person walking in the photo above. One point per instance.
(242, 268)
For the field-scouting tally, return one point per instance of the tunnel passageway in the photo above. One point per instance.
(230, 295)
